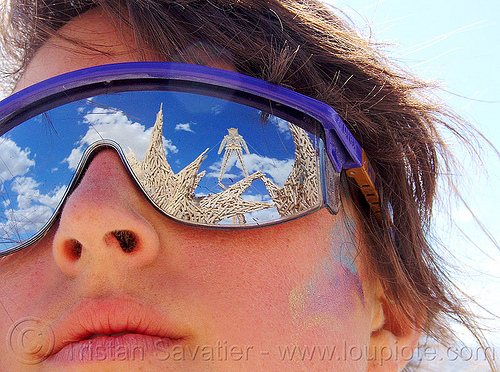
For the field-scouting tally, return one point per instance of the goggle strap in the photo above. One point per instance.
(365, 179)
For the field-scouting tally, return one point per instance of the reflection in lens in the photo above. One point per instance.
(200, 159)
(175, 193)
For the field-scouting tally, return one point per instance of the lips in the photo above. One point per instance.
(99, 329)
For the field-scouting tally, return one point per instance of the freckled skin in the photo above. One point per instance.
(275, 286)
(334, 284)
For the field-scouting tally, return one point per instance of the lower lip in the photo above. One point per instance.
(127, 347)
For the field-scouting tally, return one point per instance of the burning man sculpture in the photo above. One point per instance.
(233, 143)
(175, 193)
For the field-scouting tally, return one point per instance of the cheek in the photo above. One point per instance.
(21, 278)
(303, 287)
(26, 278)
(332, 296)
(243, 280)
(245, 275)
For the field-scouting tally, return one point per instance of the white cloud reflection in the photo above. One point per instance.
(281, 124)
(277, 170)
(185, 127)
(33, 208)
(13, 160)
(115, 125)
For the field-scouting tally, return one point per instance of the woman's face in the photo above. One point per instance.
(286, 297)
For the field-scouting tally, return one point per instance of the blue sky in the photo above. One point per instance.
(456, 43)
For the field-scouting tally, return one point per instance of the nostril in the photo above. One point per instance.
(73, 249)
(127, 240)
(77, 249)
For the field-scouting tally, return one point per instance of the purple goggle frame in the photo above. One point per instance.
(336, 143)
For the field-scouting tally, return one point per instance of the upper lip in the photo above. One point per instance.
(110, 316)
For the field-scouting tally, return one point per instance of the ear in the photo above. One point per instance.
(393, 337)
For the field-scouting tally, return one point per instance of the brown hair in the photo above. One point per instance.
(304, 46)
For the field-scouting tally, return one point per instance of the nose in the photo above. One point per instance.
(104, 222)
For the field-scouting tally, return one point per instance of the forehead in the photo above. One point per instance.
(96, 40)
(93, 39)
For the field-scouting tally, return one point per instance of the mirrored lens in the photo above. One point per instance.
(200, 159)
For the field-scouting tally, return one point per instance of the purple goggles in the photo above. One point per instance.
(208, 147)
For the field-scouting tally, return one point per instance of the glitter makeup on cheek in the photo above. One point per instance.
(343, 244)
(334, 287)
(344, 249)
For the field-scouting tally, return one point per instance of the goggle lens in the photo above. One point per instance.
(200, 159)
